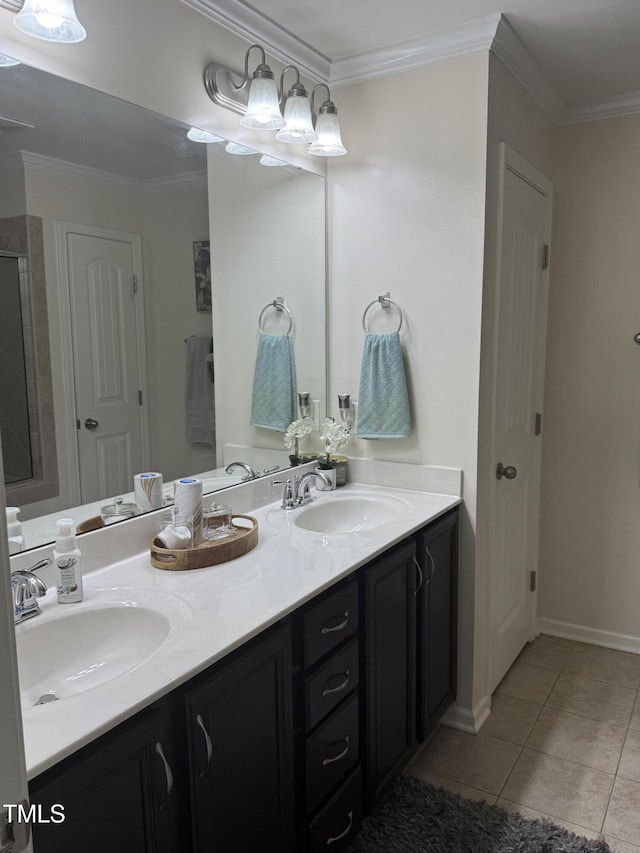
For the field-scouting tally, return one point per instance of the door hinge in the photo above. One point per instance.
(538, 427)
(545, 257)
(78, 425)
(533, 577)
(139, 398)
(134, 283)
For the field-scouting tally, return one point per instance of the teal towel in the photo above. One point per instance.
(273, 402)
(383, 405)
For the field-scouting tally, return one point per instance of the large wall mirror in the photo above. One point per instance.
(157, 256)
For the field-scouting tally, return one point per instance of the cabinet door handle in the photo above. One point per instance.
(339, 627)
(420, 577)
(342, 834)
(432, 561)
(341, 686)
(340, 755)
(167, 768)
(207, 741)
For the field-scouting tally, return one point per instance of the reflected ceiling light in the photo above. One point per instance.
(197, 135)
(236, 148)
(7, 61)
(258, 100)
(51, 20)
(268, 160)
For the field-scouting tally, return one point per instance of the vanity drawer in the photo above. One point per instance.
(331, 751)
(337, 824)
(330, 622)
(331, 683)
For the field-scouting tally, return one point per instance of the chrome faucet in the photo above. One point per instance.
(302, 486)
(251, 473)
(26, 588)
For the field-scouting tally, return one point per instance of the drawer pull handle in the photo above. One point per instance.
(167, 768)
(207, 741)
(328, 690)
(342, 834)
(340, 756)
(339, 627)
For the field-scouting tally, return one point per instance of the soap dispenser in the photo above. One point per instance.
(67, 557)
(14, 530)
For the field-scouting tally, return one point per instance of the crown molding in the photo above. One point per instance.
(253, 26)
(616, 106)
(61, 168)
(415, 53)
(511, 51)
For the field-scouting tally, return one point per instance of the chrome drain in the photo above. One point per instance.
(46, 698)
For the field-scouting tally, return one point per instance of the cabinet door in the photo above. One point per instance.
(241, 751)
(390, 667)
(115, 794)
(437, 622)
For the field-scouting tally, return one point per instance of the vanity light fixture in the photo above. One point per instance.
(268, 160)
(50, 20)
(259, 101)
(236, 148)
(7, 61)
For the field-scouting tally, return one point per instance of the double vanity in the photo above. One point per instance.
(262, 704)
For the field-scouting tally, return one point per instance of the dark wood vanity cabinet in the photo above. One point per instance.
(437, 622)
(117, 794)
(282, 745)
(389, 672)
(241, 751)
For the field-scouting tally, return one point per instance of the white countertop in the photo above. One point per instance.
(212, 611)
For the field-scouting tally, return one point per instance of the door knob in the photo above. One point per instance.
(509, 472)
(90, 423)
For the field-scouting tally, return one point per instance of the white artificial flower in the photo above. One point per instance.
(297, 430)
(334, 435)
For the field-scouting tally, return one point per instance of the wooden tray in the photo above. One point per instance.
(208, 553)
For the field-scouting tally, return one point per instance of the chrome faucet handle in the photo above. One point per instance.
(288, 499)
(25, 604)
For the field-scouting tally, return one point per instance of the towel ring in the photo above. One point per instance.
(384, 301)
(279, 306)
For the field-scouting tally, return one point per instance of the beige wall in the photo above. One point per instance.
(406, 214)
(590, 541)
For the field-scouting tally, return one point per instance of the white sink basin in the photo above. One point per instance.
(334, 513)
(72, 648)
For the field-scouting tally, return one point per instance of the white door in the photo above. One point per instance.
(521, 310)
(106, 372)
(13, 777)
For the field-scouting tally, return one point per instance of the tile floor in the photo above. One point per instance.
(562, 741)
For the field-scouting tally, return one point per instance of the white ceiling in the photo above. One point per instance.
(587, 51)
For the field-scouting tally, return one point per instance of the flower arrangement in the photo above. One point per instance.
(334, 436)
(296, 431)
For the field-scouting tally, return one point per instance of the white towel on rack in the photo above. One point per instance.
(201, 420)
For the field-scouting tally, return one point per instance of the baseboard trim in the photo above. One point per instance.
(468, 719)
(594, 636)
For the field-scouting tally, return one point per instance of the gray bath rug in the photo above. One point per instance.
(415, 817)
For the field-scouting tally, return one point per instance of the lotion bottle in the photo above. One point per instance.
(14, 530)
(67, 557)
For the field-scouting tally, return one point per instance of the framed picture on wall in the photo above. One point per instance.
(202, 270)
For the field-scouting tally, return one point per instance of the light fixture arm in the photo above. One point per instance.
(221, 85)
(325, 103)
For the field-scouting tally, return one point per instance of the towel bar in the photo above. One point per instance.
(385, 301)
(279, 306)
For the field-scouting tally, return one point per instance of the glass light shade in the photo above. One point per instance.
(298, 125)
(329, 143)
(263, 109)
(7, 61)
(197, 135)
(236, 148)
(51, 20)
(268, 160)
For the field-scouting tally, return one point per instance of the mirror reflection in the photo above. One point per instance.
(144, 319)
